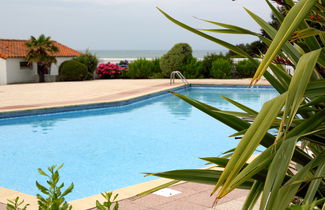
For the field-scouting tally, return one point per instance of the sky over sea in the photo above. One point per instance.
(126, 24)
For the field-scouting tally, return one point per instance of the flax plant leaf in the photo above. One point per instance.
(314, 185)
(253, 195)
(157, 188)
(237, 29)
(291, 22)
(241, 106)
(297, 87)
(223, 31)
(288, 191)
(277, 172)
(276, 13)
(289, 49)
(202, 176)
(249, 142)
(307, 32)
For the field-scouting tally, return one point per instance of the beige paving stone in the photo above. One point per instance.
(238, 193)
(194, 186)
(129, 205)
(131, 191)
(57, 94)
(235, 203)
(2, 206)
(202, 198)
(179, 205)
(153, 200)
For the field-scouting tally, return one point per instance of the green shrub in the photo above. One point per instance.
(193, 69)
(142, 69)
(89, 76)
(156, 72)
(207, 63)
(158, 75)
(246, 68)
(156, 66)
(139, 69)
(72, 71)
(89, 60)
(176, 58)
(221, 68)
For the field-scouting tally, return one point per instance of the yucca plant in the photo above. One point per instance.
(290, 170)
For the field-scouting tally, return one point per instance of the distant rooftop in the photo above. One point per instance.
(13, 48)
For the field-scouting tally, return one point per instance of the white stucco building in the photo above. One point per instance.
(15, 69)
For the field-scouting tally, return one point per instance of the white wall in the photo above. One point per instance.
(3, 75)
(55, 66)
(11, 72)
(15, 74)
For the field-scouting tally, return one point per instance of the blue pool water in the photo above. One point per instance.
(108, 148)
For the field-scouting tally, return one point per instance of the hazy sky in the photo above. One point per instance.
(125, 24)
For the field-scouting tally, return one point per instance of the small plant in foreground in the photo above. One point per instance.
(108, 203)
(55, 198)
(16, 204)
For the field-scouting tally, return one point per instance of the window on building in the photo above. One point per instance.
(26, 65)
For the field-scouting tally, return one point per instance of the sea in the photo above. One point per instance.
(118, 55)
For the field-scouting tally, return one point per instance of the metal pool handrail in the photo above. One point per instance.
(180, 75)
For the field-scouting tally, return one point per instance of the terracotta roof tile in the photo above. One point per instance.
(11, 48)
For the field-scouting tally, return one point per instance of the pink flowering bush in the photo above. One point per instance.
(110, 70)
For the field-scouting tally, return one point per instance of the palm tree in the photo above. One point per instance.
(41, 51)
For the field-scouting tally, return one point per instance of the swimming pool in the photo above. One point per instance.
(107, 148)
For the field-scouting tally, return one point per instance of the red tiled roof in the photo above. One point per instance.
(11, 48)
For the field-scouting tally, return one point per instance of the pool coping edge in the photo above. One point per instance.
(112, 103)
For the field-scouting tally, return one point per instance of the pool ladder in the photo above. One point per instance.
(180, 76)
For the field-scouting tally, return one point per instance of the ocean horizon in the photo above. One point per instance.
(133, 54)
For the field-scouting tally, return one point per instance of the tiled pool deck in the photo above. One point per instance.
(22, 97)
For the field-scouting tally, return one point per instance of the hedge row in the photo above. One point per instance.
(220, 68)
(179, 58)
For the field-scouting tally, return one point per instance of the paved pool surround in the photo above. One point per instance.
(37, 98)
